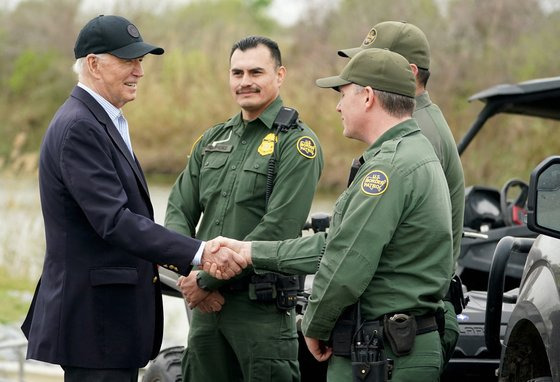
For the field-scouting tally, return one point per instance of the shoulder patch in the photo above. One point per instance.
(267, 145)
(306, 147)
(195, 142)
(374, 183)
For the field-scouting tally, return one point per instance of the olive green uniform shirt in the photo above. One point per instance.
(390, 240)
(223, 186)
(434, 126)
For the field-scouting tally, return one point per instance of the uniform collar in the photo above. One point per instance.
(394, 133)
(267, 116)
(423, 100)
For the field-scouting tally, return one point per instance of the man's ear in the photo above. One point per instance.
(414, 69)
(370, 97)
(92, 63)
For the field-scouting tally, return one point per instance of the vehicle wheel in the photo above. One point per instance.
(166, 367)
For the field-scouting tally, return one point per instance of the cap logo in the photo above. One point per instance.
(133, 31)
(374, 183)
(370, 38)
(267, 144)
(306, 147)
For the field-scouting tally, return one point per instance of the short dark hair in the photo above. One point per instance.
(254, 41)
(423, 76)
(395, 104)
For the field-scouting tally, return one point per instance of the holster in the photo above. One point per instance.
(287, 288)
(369, 362)
(343, 331)
(270, 287)
(455, 295)
(370, 371)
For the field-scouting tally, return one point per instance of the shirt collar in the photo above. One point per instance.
(396, 132)
(267, 117)
(423, 100)
(109, 108)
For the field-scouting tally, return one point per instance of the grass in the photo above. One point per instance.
(15, 294)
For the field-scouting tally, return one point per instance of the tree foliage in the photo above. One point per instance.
(475, 44)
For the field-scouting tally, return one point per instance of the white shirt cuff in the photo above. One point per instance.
(198, 255)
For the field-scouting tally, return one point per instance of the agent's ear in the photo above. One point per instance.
(281, 74)
(414, 69)
(370, 99)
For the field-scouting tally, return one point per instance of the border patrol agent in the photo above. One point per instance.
(389, 245)
(223, 188)
(410, 42)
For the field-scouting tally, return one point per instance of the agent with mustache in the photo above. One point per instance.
(240, 331)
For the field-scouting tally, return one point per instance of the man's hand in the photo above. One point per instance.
(318, 348)
(212, 303)
(190, 290)
(222, 261)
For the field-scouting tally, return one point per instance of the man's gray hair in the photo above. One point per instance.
(396, 105)
(79, 65)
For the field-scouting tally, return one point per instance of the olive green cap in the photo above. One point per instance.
(380, 69)
(398, 36)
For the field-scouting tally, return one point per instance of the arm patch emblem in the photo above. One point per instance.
(306, 147)
(374, 183)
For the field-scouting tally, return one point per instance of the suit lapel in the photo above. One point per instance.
(104, 119)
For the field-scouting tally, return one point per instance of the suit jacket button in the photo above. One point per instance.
(154, 280)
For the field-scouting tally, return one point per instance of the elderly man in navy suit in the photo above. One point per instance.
(97, 310)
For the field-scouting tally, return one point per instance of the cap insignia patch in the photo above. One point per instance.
(267, 144)
(374, 183)
(370, 38)
(306, 147)
(133, 31)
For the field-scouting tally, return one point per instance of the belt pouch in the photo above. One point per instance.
(400, 331)
(369, 371)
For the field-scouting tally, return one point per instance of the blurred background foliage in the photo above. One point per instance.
(475, 44)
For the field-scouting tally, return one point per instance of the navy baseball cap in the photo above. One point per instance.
(115, 35)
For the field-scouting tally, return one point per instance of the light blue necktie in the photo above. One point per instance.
(123, 130)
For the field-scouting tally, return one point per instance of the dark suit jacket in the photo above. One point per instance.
(98, 303)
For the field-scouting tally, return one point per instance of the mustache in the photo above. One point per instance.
(246, 90)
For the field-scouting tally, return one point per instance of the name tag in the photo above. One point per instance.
(218, 148)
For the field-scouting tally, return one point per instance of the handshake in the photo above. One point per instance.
(224, 258)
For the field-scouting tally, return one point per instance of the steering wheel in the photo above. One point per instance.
(514, 212)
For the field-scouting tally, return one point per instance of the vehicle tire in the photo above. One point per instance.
(166, 367)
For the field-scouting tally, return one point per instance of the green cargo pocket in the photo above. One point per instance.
(274, 361)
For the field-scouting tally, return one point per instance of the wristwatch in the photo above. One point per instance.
(200, 282)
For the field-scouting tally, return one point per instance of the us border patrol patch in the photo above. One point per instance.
(306, 147)
(370, 38)
(375, 183)
(267, 145)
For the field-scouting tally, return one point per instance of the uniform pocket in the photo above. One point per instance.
(211, 172)
(252, 181)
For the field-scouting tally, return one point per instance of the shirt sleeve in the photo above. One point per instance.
(299, 256)
(183, 208)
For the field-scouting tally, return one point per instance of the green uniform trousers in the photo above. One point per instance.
(225, 346)
(423, 364)
(451, 334)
